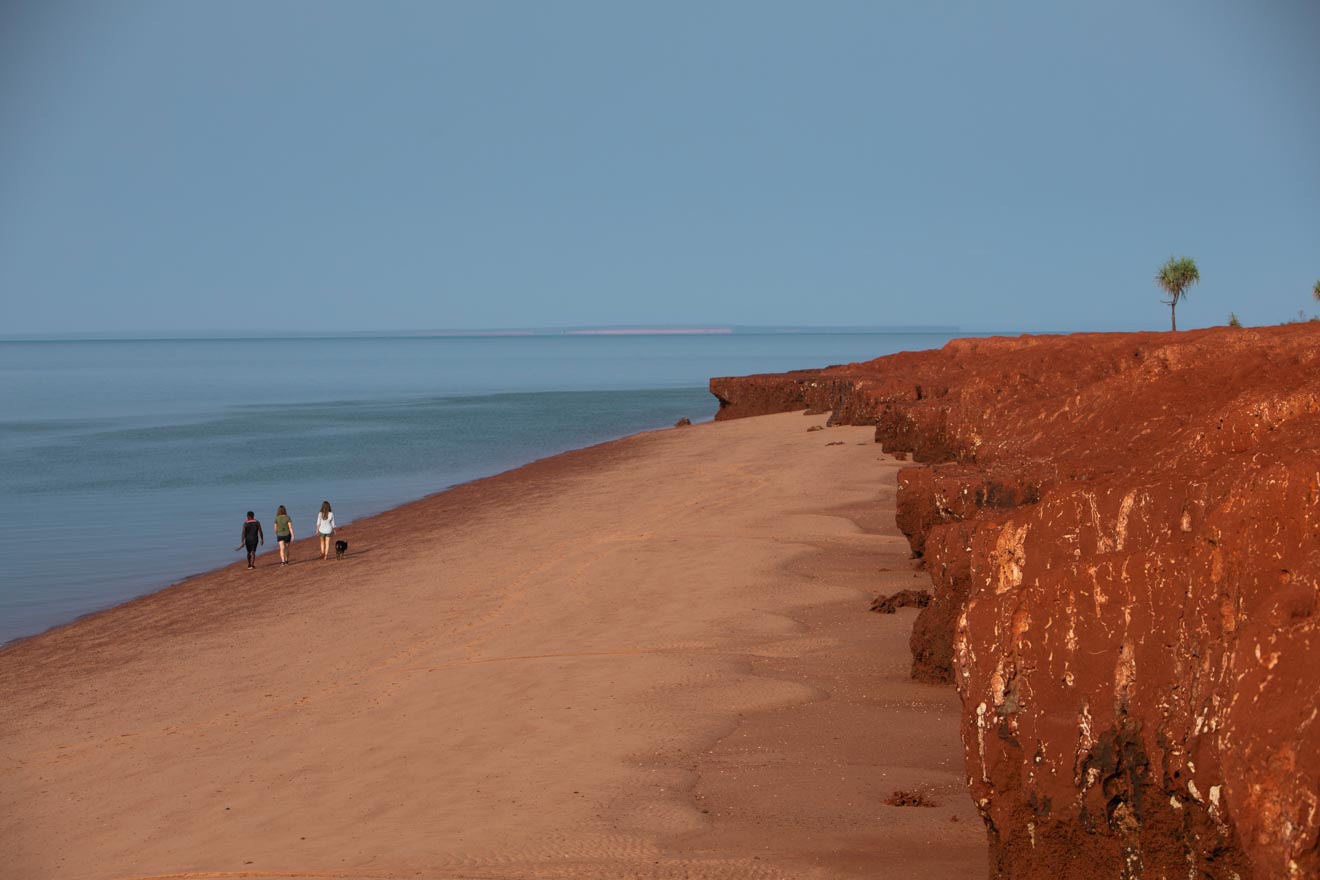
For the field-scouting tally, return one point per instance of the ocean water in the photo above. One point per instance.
(126, 465)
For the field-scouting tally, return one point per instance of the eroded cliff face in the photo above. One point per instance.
(1123, 536)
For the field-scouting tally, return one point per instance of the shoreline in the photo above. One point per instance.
(269, 551)
(614, 661)
(569, 462)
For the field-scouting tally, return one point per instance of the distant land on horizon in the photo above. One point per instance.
(605, 330)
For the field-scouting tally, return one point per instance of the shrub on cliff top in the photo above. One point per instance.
(1233, 320)
(1174, 278)
(1315, 291)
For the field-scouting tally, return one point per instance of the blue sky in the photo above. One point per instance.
(323, 166)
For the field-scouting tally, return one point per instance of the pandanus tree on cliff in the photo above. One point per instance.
(1174, 278)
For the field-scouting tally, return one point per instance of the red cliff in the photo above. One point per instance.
(1123, 536)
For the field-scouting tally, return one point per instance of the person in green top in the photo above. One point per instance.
(283, 533)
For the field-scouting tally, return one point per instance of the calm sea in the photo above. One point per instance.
(126, 465)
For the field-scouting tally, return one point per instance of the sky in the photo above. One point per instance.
(329, 166)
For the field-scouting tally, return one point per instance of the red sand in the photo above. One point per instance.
(652, 658)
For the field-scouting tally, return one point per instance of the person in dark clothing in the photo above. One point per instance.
(252, 535)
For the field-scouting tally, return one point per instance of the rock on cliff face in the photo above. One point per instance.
(1123, 536)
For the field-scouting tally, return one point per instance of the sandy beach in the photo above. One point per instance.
(651, 658)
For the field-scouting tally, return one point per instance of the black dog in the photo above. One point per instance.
(341, 547)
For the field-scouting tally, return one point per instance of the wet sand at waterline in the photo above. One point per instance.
(651, 658)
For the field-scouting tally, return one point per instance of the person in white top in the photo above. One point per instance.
(325, 528)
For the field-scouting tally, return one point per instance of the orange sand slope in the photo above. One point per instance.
(651, 659)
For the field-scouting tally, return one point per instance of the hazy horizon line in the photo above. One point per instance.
(613, 330)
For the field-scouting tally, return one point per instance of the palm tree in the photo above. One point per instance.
(1174, 278)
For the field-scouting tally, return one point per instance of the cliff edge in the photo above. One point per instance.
(1123, 536)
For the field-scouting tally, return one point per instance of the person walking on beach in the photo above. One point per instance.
(283, 533)
(325, 527)
(252, 534)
